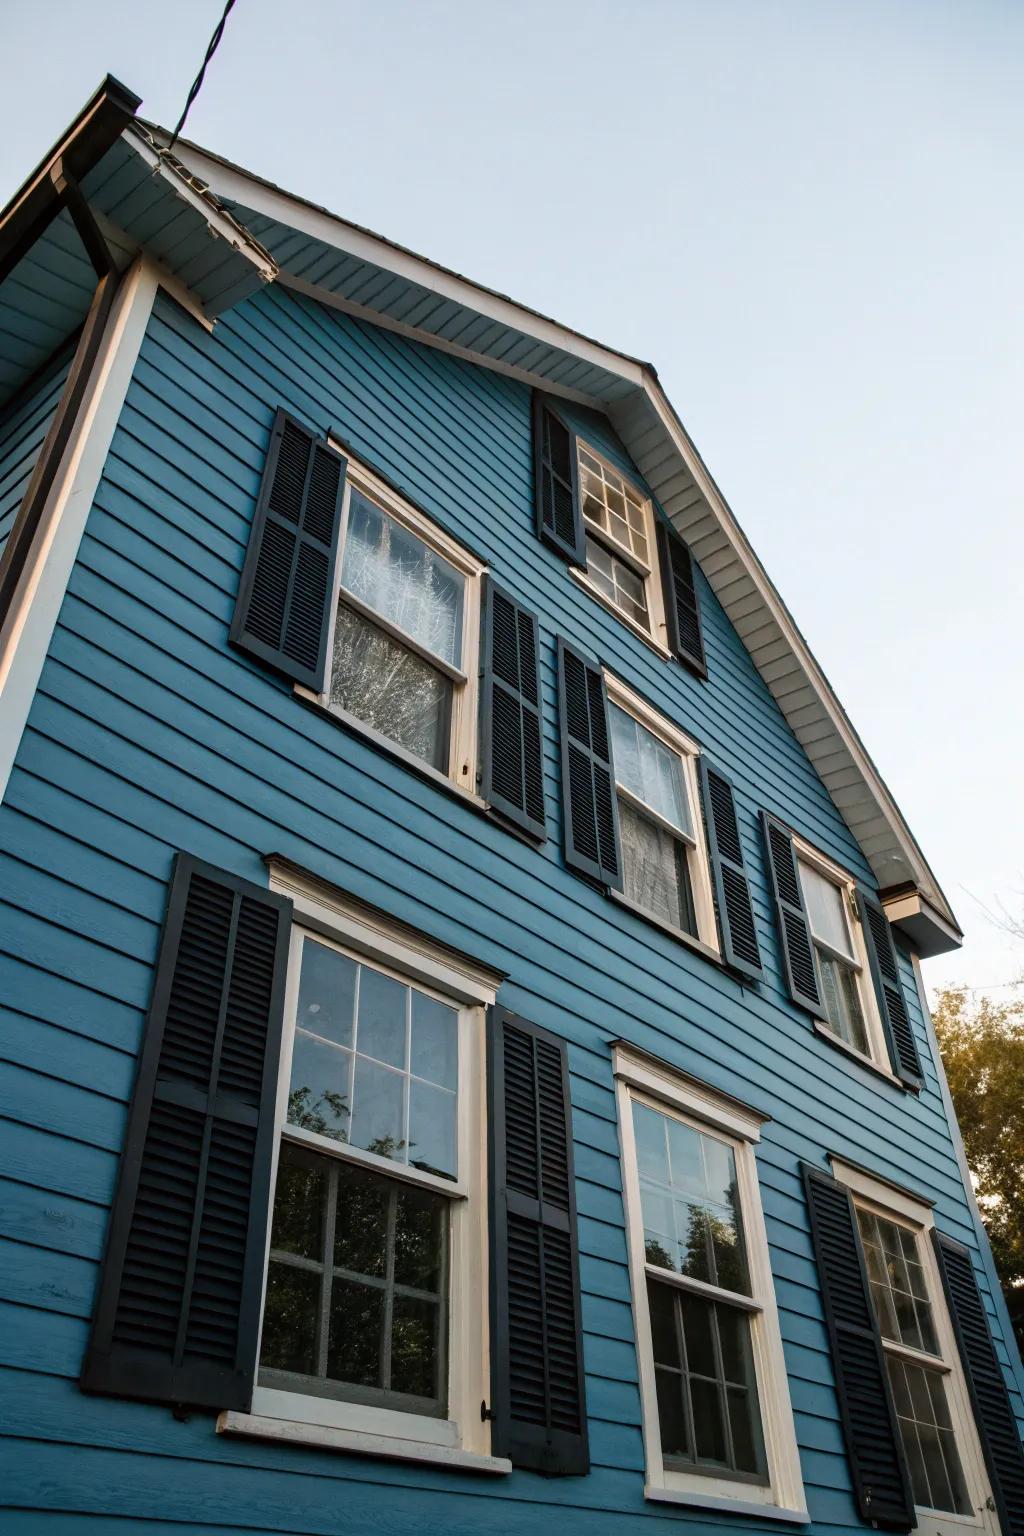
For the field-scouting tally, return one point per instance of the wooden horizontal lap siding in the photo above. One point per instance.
(24, 423)
(148, 734)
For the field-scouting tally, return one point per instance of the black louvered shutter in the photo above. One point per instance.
(556, 483)
(282, 614)
(511, 743)
(538, 1404)
(892, 1004)
(178, 1305)
(733, 905)
(791, 917)
(682, 606)
(589, 807)
(874, 1448)
(993, 1412)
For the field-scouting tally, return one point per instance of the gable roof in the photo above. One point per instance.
(267, 234)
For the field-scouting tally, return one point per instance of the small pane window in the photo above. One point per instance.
(835, 957)
(611, 504)
(390, 688)
(903, 1309)
(374, 1063)
(650, 770)
(655, 869)
(618, 581)
(355, 1303)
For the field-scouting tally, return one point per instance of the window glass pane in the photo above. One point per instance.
(649, 770)
(840, 996)
(698, 1332)
(390, 688)
(378, 1113)
(382, 1021)
(414, 1359)
(618, 581)
(611, 503)
(434, 1040)
(690, 1201)
(655, 870)
(327, 989)
(319, 1098)
(386, 1269)
(432, 1128)
(745, 1425)
(898, 1288)
(290, 1319)
(928, 1438)
(354, 1335)
(675, 1439)
(825, 910)
(396, 575)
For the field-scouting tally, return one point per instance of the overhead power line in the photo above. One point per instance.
(211, 49)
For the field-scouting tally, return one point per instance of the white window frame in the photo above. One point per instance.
(462, 739)
(878, 1055)
(641, 1078)
(649, 572)
(462, 1439)
(908, 1211)
(687, 750)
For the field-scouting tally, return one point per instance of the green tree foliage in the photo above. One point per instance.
(983, 1051)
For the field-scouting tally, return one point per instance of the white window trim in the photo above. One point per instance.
(650, 574)
(462, 745)
(685, 748)
(639, 1078)
(463, 1438)
(878, 1056)
(906, 1210)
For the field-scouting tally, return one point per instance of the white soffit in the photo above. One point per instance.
(353, 269)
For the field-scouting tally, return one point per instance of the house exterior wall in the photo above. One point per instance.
(24, 423)
(149, 734)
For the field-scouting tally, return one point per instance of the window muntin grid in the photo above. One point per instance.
(357, 1280)
(618, 582)
(835, 957)
(374, 1062)
(903, 1310)
(614, 506)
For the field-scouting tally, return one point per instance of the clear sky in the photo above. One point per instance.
(808, 214)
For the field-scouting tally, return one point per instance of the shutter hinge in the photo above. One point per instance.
(486, 1414)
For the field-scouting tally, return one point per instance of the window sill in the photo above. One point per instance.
(697, 945)
(859, 1057)
(254, 1426)
(624, 618)
(732, 1506)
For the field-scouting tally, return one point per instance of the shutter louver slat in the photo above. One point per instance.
(538, 1404)
(512, 760)
(682, 605)
(873, 1444)
(177, 1310)
(791, 921)
(282, 615)
(734, 908)
(590, 809)
(892, 1004)
(993, 1411)
(556, 484)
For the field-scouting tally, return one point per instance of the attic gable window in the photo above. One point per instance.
(620, 545)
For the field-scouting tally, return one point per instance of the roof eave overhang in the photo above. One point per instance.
(353, 269)
(94, 131)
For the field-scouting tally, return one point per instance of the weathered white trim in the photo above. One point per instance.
(257, 1427)
(26, 635)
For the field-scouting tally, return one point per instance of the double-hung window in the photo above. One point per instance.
(403, 644)
(840, 956)
(940, 1442)
(665, 869)
(718, 1427)
(621, 549)
(374, 1314)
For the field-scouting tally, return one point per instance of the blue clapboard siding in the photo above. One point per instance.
(24, 423)
(149, 734)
